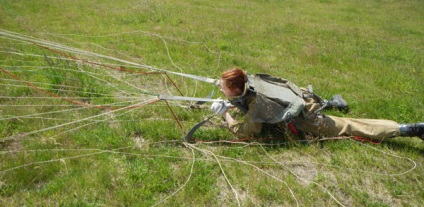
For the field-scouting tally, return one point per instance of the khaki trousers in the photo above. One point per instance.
(331, 126)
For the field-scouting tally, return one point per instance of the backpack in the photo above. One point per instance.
(277, 99)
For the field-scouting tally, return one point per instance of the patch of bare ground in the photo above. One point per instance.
(12, 145)
(301, 166)
(118, 178)
(227, 197)
(309, 172)
(139, 142)
(225, 193)
(376, 191)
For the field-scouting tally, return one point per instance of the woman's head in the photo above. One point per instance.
(233, 82)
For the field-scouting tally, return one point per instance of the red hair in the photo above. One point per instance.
(234, 79)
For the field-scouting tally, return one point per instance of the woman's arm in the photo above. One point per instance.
(228, 118)
(246, 129)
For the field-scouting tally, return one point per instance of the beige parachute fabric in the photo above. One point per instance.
(277, 99)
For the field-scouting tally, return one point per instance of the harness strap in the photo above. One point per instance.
(189, 136)
(323, 103)
(293, 128)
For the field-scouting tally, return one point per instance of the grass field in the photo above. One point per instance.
(83, 128)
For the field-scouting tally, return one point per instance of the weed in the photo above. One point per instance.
(99, 139)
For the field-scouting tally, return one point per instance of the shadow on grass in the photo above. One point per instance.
(401, 145)
(290, 141)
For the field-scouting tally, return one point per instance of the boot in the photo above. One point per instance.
(412, 130)
(337, 102)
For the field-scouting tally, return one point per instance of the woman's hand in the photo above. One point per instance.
(220, 106)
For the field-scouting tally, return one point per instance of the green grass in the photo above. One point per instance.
(368, 51)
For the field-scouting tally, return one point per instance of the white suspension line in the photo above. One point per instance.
(37, 68)
(46, 113)
(184, 184)
(57, 90)
(67, 110)
(77, 121)
(111, 115)
(68, 97)
(39, 83)
(20, 37)
(122, 81)
(222, 170)
(300, 178)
